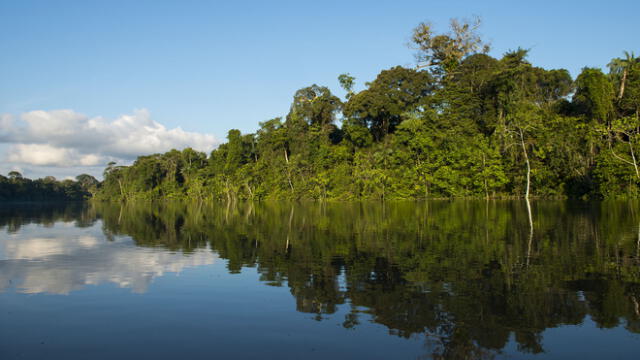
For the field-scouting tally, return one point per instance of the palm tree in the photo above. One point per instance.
(620, 67)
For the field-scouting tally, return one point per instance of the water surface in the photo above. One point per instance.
(401, 280)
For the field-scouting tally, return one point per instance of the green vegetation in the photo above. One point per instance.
(15, 187)
(460, 124)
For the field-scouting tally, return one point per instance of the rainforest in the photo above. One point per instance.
(458, 124)
(466, 203)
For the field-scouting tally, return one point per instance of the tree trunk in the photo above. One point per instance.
(249, 188)
(633, 163)
(286, 158)
(227, 190)
(633, 156)
(624, 79)
(122, 193)
(526, 159)
(529, 243)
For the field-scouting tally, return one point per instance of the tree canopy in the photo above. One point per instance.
(461, 123)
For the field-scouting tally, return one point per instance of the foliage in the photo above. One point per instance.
(464, 125)
(15, 187)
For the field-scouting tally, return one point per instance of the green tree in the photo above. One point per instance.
(347, 82)
(619, 70)
(594, 95)
(14, 175)
(393, 93)
(442, 53)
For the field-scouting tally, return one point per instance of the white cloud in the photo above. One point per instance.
(6, 120)
(63, 138)
(44, 154)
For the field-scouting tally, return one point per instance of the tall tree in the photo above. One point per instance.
(347, 82)
(442, 53)
(619, 69)
(393, 93)
(594, 95)
(314, 105)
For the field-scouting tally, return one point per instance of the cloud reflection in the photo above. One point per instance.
(51, 261)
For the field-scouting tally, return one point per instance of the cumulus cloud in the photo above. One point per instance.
(44, 154)
(5, 122)
(63, 138)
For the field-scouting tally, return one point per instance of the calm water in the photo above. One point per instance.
(412, 280)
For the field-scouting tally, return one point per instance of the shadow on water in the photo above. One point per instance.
(468, 276)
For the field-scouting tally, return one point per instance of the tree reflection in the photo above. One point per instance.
(467, 276)
(14, 215)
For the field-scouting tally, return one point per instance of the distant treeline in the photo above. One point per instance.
(15, 187)
(459, 124)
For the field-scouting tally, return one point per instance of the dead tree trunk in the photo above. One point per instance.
(526, 159)
(286, 158)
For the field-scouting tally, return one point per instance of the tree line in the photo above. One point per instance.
(461, 123)
(16, 187)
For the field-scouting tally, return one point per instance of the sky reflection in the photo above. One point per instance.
(55, 261)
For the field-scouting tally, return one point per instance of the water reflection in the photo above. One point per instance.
(467, 276)
(60, 259)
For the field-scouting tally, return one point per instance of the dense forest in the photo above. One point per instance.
(459, 124)
(16, 187)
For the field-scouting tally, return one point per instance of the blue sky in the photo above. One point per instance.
(209, 66)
